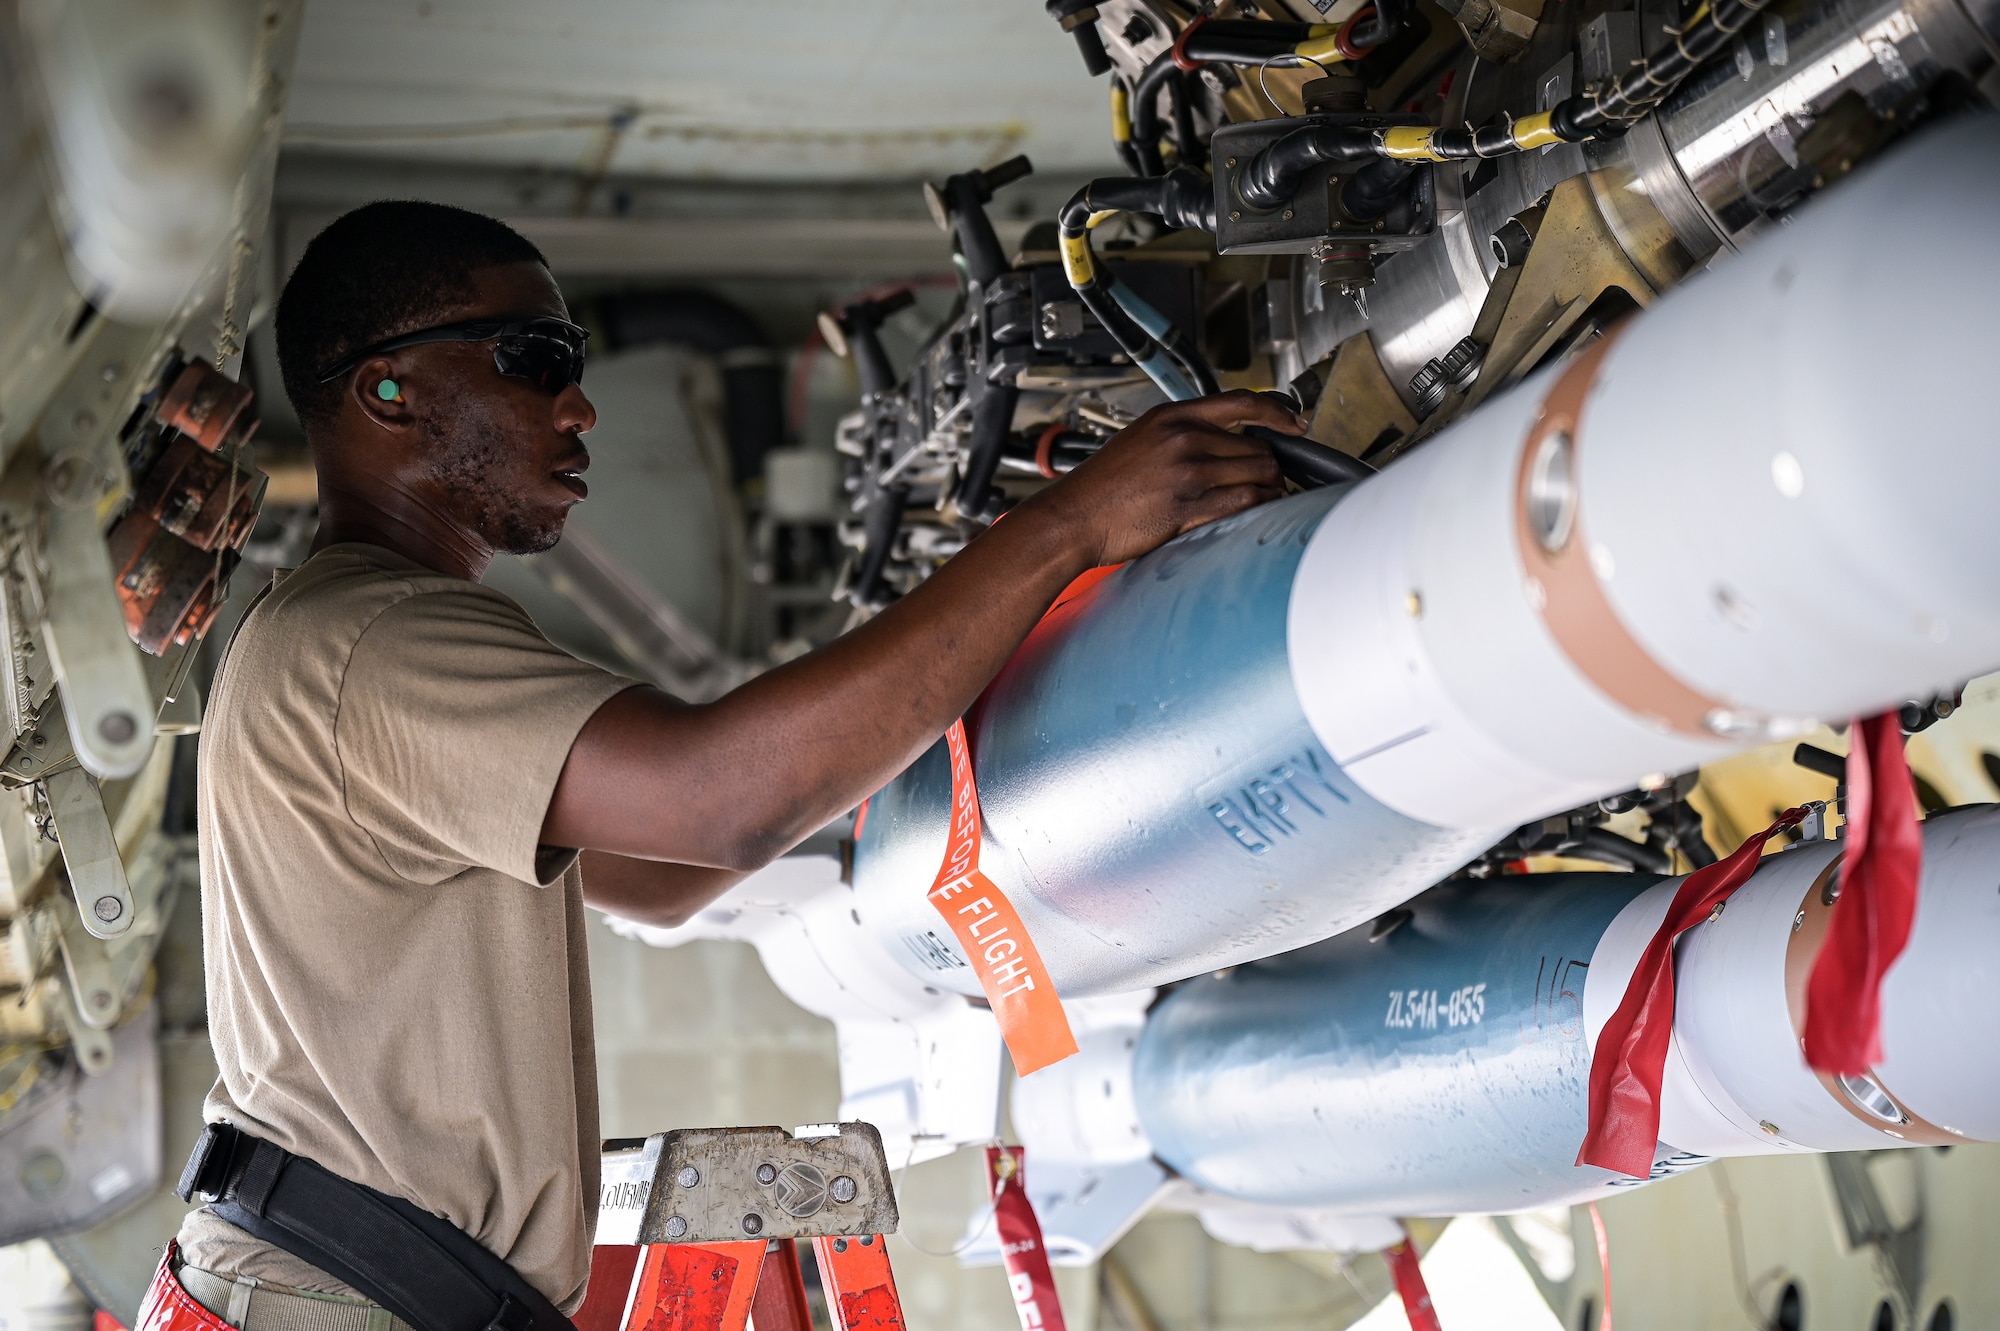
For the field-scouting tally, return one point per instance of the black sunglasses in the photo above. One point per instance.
(546, 351)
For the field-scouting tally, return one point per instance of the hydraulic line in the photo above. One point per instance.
(1167, 355)
(1599, 111)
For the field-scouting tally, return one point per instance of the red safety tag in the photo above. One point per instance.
(990, 932)
(1416, 1295)
(1028, 1277)
(1877, 903)
(1631, 1054)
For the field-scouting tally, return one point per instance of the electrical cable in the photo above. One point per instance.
(1121, 127)
(895, 1186)
(1161, 74)
(1182, 198)
(1265, 65)
(1599, 111)
(1253, 41)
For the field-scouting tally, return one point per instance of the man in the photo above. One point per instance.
(408, 794)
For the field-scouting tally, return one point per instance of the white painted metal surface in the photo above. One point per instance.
(792, 89)
(1741, 490)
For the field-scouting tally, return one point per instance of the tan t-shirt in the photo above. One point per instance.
(397, 981)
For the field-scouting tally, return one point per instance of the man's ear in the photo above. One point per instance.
(383, 394)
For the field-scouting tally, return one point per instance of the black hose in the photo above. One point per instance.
(1079, 19)
(1180, 346)
(1597, 843)
(1193, 152)
(1650, 83)
(871, 362)
(1242, 41)
(1601, 111)
(879, 527)
(992, 422)
(1162, 73)
(861, 323)
(1181, 198)
(1373, 190)
(752, 383)
(1387, 20)
(1309, 464)
(1597, 111)
(1273, 175)
(966, 196)
(1096, 60)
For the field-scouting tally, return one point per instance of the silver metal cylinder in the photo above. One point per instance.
(1800, 101)
(1155, 803)
(1444, 1068)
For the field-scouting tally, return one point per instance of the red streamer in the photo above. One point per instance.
(1631, 1055)
(1877, 904)
(1028, 1276)
(1416, 1295)
(1603, 1265)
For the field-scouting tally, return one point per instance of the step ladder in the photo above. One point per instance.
(696, 1230)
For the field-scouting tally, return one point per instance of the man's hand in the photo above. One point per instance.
(1172, 470)
(735, 783)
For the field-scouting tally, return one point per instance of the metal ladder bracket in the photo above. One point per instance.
(722, 1185)
(718, 1212)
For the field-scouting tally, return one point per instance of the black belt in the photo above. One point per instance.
(421, 1267)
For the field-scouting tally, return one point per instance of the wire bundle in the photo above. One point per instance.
(1166, 353)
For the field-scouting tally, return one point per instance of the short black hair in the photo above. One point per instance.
(383, 270)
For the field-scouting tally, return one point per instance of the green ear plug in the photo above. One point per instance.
(389, 391)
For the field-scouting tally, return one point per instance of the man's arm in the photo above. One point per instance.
(665, 896)
(735, 783)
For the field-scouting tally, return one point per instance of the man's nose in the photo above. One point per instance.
(574, 413)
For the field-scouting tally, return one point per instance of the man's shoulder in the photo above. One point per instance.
(341, 591)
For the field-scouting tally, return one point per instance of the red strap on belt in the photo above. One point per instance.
(168, 1307)
(1631, 1055)
(1877, 904)
(1029, 1279)
(1410, 1285)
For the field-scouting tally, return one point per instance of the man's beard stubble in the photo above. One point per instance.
(471, 459)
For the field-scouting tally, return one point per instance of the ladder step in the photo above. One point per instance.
(696, 1286)
(716, 1287)
(860, 1288)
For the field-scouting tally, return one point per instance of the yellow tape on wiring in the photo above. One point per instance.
(1121, 114)
(1077, 261)
(1321, 50)
(1409, 143)
(1536, 131)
